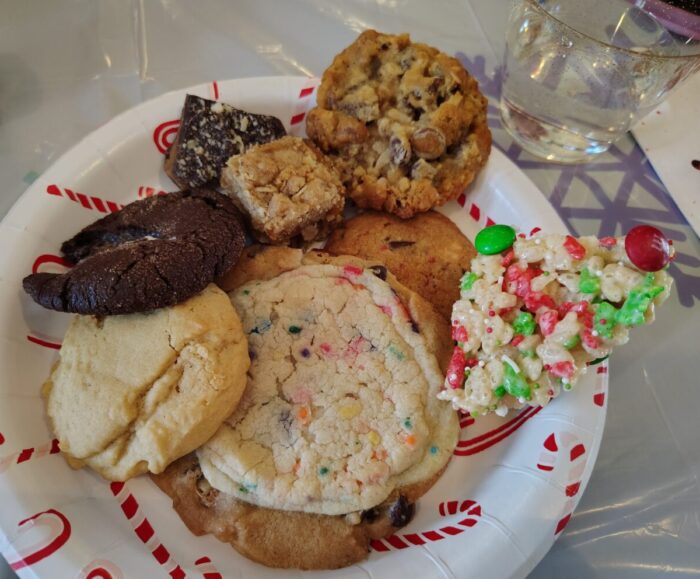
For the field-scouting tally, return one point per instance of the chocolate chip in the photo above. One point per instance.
(370, 515)
(400, 150)
(401, 512)
(398, 244)
(415, 327)
(379, 271)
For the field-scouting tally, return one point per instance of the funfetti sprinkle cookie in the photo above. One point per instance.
(337, 413)
(535, 311)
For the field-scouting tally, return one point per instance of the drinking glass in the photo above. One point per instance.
(579, 73)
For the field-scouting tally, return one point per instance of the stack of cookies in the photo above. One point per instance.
(286, 399)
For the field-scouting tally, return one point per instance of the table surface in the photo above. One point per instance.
(68, 66)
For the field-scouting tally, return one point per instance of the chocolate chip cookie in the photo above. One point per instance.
(427, 253)
(154, 253)
(405, 123)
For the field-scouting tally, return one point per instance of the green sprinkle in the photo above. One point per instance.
(528, 354)
(398, 354)
(242, 489)
(545, 273)
(246, 292)
(408, 424)
(323, 470)
(536, 386)
(500, 392)
(433, 449)
(589, 283)
(524, 324)
(475, 413)
(572, 342)
(633, 311)
(468, 280)
(605, 319)
(598, 360)
(514, 383)
(294, 329)
(567, 386)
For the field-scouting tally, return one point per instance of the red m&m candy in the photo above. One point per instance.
(647, 248)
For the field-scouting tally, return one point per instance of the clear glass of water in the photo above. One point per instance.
(579, 73)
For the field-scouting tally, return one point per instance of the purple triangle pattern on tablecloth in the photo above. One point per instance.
(624, 186)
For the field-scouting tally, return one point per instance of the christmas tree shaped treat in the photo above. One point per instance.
(535, 311)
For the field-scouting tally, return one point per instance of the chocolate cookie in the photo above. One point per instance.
(405, 123)
(210, 133)
(427, 253)
(154, 253)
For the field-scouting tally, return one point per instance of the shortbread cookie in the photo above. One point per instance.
(278, 538)
(405, 123)
(287, 189)
(339, 411)
(532, 316)
(427, 253)
(209, 133)
(154, 253)
(130, 394)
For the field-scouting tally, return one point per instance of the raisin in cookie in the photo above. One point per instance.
(405, 123)
(287, 189)
(427, 253)
(131, 394)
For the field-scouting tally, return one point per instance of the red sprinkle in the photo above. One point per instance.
(603, 321)
(562, 369)
(492, 313)
(608, 242)
(508, 258)
(352, 270)
(548, 321)
(589, 339)
(325, 347)
(489, 330)
(575, 249)
(455, 371)
(517, 339)
(535, 300)
(459, 333)
(521, 278)
(471, 362)
(521, 235)
(534, 230)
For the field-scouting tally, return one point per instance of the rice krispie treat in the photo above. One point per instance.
(534, 312)
(287, 189)
(405, 123)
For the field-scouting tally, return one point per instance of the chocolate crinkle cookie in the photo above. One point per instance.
(405, 123)
(210, 132)
(154, 253)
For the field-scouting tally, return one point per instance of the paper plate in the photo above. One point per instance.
(508, 492)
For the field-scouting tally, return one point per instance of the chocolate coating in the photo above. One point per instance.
(154, 253)
(210, 133)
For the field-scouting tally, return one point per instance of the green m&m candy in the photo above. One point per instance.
(494, 239)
